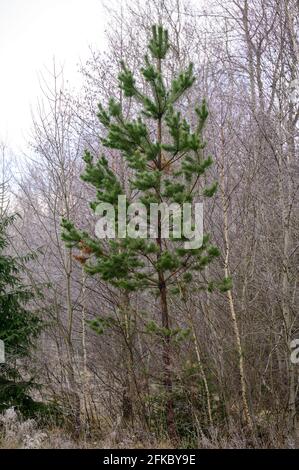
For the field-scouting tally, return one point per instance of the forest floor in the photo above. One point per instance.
(16, 433)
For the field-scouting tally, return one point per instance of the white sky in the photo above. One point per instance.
(32, 32)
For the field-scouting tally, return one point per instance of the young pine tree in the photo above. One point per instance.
(18, 328)
(165, 159)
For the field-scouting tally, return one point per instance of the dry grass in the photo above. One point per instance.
(16, 433)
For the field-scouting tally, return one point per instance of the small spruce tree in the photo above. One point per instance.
(165, 158)
(19, 326)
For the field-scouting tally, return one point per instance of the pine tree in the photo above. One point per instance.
(166, 159)
(18, 327)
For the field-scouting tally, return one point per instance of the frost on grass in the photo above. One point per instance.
(18, 433)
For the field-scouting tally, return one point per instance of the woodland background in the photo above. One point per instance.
(105, 383)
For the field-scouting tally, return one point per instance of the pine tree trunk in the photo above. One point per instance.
(166, 355)
(170, 417)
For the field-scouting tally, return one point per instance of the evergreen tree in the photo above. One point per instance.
(18, 327)
(166, 159)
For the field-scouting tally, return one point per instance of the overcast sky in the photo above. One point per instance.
(32, 32)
